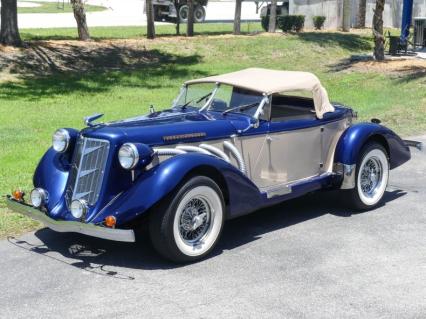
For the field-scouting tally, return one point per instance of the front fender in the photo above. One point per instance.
(156, 183)
(353, 139)
(51, 174)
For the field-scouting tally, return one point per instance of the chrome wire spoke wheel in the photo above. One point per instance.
(373, 176)
(198, 221)
(195, 220)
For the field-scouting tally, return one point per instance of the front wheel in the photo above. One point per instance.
(187, 228)
(372, 175)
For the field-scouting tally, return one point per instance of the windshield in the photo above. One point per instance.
(225, 98)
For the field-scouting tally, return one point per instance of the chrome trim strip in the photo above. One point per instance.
(278, 190)
(348, 172)
(124, 235)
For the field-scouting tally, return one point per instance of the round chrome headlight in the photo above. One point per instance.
(128, 156)
(38, 197)
(61, 140)
(78, 208)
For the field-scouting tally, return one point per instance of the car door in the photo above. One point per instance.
(293, 147)
(294, 152)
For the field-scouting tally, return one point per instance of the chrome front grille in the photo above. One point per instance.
(87, 170)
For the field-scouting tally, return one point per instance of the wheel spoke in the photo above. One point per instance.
(194, 220)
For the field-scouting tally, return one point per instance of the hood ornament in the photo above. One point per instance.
(89, 119)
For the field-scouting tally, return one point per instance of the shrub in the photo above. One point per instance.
(291, 23)
(265, 23)
(318, 22)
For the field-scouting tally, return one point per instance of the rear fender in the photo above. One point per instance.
(158, 182)
(354, 138)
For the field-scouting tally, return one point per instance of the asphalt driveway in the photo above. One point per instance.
(308, 258)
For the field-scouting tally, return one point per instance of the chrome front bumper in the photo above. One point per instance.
(125, 235)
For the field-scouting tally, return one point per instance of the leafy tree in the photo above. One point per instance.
(273, 16)
(379, 40)
(80, 18)
(9, 32)
(150, 28)
(237, 17)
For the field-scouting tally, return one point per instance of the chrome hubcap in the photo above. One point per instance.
(371, 176)
(194, 220)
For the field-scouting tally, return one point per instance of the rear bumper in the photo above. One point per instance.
(124, 235)
(416, 144)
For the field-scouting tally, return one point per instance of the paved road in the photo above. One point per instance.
(129, 13)
(308, 258)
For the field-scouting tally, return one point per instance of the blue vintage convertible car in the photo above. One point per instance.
(229, 145)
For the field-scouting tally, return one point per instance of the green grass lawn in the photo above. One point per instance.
(53, 7)
(121, 81)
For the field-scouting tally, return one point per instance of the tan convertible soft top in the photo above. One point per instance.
(273, 81)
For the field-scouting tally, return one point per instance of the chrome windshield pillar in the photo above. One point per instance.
(209, 101)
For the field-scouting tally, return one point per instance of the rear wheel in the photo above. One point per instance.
(199, 14)
(372, 175)
(187, 228)
(183, 13)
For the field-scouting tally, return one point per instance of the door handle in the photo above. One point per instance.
(272, 138)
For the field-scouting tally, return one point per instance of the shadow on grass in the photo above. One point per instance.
(412, 73)
(120, 260)
(46, 69)
(402, 73)
(329, 39)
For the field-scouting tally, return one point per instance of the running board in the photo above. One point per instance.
(277, 190)
(285, 189)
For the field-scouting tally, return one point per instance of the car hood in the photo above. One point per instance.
(170, 127)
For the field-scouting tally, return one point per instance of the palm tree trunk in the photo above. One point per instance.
(80, 18)
(346, 25)
(176, 3)
(190, 26)
(237, 17)
(9, 32)
(362, 9)
(379, 49)
(150, 27)
(273, 16)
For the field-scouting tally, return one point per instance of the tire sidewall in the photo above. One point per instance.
(175, 242)
(201, 9)
(182, 9)
(377, 151)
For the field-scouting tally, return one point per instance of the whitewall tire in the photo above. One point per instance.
(187, 226)
(372, 176)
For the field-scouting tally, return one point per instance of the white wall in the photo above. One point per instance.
(332, 10)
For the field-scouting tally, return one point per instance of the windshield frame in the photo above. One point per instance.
(207, 105)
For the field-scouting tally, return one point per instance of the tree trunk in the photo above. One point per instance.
(362, 9)
(273, 16)
(379, 48)
(176, 2)
(9, 32)
(237, 17)
(190, 26)
(150, 27)
(346, 23)
(80, 18)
